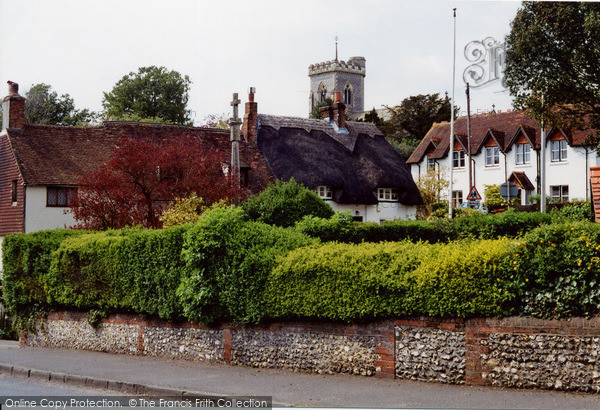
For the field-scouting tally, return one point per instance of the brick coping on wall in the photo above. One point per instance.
(379, 337)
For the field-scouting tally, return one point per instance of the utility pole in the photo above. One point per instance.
(451, 155)
(469, 136)
(234, 124)
(543, 162)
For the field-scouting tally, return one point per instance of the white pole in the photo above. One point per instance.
(451, 155)
(543, 163)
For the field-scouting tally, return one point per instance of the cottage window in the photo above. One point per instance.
(60, 196)
(457, 198)
(523, 154)
(492, 156)
(13, 191)
(387, 194)
(559, 150)
(430, 163)
(459, 159)
(244, 178)
(559, 193)
(324, 192)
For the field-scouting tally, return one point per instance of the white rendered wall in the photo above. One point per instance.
(383, 211)
(39, 217)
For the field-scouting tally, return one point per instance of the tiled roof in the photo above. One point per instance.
(503, 125)
(57, 155)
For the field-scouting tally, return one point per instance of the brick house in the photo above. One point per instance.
(348, 164)
(506, 146)
(41, 165)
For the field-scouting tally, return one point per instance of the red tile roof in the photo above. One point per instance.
(504, 127)
(57, 155)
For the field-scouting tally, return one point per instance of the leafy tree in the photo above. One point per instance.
(553, 50)
(412, 119)
(373, 118)
(216, 121)
(184, 210)
(143, 176)
(315, 111)
(285, 203)
(432, 186)
(152, 93)
(44, 106)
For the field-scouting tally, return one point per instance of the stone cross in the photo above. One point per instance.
(234, 124)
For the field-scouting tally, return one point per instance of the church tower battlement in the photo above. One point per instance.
(347, 78)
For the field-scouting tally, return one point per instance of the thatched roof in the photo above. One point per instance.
(354, 162)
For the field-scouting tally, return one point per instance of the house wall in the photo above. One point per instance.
(11, 214)
(383, 211)
(38, 216)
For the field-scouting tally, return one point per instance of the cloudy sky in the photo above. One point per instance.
(83, 47)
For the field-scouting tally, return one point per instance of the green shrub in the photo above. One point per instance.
(557, 270)
(131, 270)
(229, 259)
(285, 203)
(357, 282)
(572, 211)
(26, 261)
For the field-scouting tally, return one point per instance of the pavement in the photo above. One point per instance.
(154, 376)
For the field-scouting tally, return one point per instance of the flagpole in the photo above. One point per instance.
(451, 155)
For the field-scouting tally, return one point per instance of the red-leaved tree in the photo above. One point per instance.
(144, 175)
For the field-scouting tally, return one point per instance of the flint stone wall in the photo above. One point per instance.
(508, 352)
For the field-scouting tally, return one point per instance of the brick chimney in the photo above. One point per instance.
(336, 112)
(250, 124)
(13, 108)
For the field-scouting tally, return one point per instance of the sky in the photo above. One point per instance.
(83, 47)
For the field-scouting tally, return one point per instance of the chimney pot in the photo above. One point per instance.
(13, 88)
(337, 97)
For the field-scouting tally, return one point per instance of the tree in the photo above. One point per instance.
(373, 118)
(44, 106)
(153, 93)
(432, 186)
(216, 121)
(553, 50)
(144, 175)
(412, 119)
(315, 111)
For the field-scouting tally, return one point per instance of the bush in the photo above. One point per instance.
(572, 211)
(557, 270)
(26, 261)
(129, 270)
(229, 259)
(285, 203)
(368, 281)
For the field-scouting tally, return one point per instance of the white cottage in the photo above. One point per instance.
(506, 147)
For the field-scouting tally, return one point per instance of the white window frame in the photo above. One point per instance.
(387, 194)
(457, 198)
(430, 163)
(458, 159)
(558, 150)
(324, 192)
(523, 155)
(560, 192)
(492, 156)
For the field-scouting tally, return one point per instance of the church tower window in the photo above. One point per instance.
(348, 94)
(322, 92)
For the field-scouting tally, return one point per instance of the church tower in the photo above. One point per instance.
(347, 78)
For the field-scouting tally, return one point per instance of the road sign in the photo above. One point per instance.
(473, 195)
(509, 190)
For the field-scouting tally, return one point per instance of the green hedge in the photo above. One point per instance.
(341, 228)
(128, 270)
(357, 282)
(557, 270)
(229, 260)
(26, 260)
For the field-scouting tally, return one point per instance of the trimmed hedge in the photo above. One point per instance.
(556, 269)
(357, 282)
(128, 270)
(341, 228)
(229, 260)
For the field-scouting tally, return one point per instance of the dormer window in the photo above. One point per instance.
(430, 163)
(387, 194)
(523, 154)
(559, 150)
(324, 192)
(492, 156)
(458, 159)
